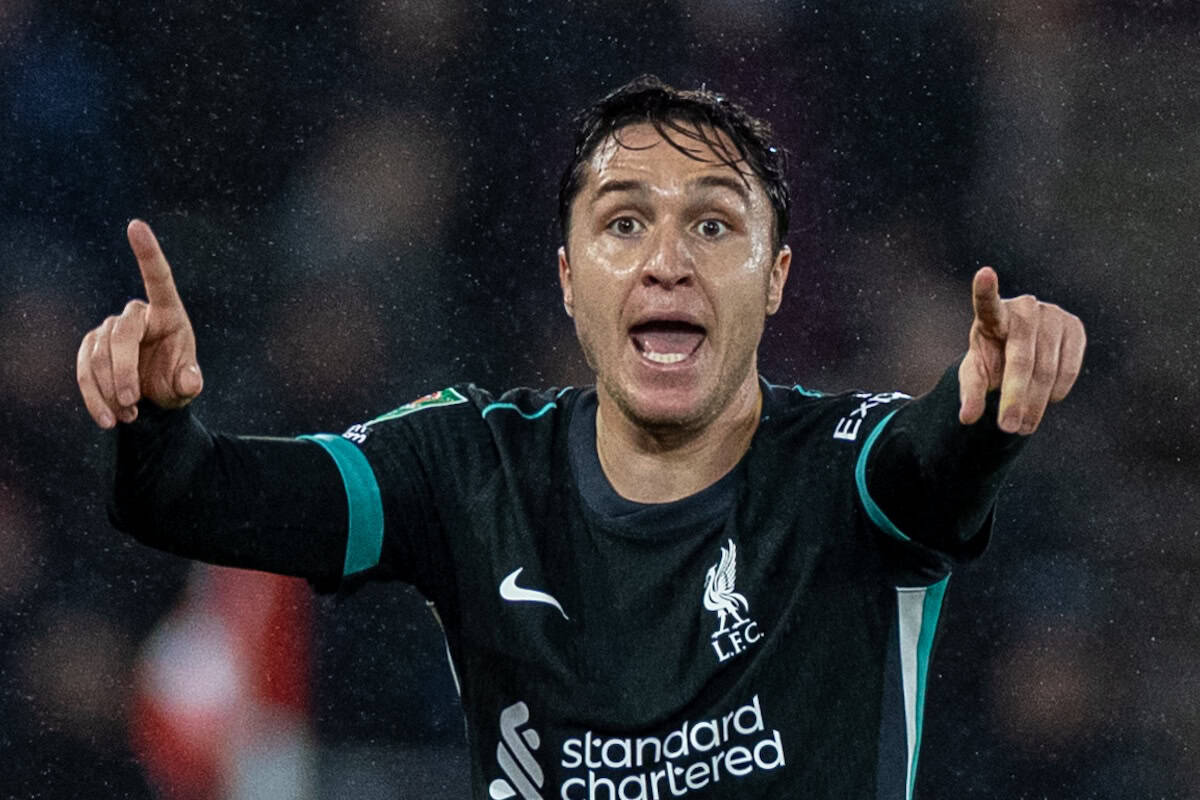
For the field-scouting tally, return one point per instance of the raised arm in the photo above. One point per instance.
(262, 503)
(1030, 350)
(936, 476)
(147, 351)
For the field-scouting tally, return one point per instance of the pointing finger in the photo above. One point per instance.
(156, 272)
(990, 312)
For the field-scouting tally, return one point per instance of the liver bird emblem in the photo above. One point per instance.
(719, 595)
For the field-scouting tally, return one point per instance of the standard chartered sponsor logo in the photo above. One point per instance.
(515, 756)
(595, 767)
(694, 756)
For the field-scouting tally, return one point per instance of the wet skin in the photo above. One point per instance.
(669, 273)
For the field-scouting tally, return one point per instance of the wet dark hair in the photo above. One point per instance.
(685, 119)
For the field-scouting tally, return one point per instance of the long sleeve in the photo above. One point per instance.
(936, 479)
(271, 504)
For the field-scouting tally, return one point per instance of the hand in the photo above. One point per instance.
(147, 351)
(1031, 351)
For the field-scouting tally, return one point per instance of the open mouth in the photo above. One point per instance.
(666, 341)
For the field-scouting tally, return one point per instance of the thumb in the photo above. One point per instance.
(188, 381)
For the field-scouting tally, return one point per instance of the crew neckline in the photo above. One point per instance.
(695, 513)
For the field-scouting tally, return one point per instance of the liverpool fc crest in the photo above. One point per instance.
(735, 630)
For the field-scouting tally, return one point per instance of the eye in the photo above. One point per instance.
(625, 226)
(712, 228)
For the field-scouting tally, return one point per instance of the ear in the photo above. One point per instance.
(777, 279)
(564, 281)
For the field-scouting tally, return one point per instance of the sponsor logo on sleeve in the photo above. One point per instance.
(847, 427)
(736, 631)
(446, 397)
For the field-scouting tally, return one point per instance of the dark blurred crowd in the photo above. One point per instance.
(358, 201)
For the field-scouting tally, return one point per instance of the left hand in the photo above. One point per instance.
(1031, 351)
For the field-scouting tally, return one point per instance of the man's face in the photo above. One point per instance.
(669, 273)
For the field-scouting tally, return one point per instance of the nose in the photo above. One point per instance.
(669, 262)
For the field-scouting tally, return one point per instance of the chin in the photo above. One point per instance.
(663, 410)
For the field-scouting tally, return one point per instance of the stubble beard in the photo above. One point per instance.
(673, 426)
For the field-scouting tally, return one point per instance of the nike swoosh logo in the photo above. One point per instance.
(518, 594)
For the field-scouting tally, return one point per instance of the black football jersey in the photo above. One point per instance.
(768, 637)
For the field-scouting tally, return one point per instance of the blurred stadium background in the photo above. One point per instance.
(358, 200)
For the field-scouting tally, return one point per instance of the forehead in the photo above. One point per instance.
(639, 152)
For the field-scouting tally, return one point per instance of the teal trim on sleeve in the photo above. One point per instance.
(795, 388)
(364, 540)
(930, 612)
(860, 478)
(513, 407)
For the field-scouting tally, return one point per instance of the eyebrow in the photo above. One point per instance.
(723, 182)
(612, 187)
(704, 182)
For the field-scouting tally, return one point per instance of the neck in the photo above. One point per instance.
(658, 466)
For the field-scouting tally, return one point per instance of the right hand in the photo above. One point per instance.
(147, 351)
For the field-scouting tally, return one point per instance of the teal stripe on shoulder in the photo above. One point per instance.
(860, 479)
(513, 407)
(795, 388)
(364, 541)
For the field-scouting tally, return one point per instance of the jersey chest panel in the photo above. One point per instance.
(767, 631)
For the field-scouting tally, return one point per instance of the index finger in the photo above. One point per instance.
(985, 297)
(156, 272)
